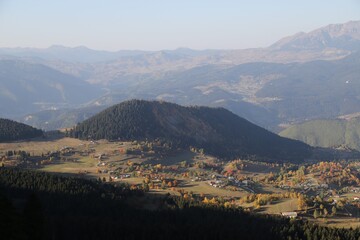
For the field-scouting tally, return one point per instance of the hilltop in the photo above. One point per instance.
(216, 130)
(12, 131)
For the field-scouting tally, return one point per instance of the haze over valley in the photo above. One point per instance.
(257, 84)
(179, 120)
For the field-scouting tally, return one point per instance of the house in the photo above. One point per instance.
(125, 175)
(289, 214)
(247, 182)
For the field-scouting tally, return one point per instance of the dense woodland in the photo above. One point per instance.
(216, 130)
(36, 205)
(12, 131)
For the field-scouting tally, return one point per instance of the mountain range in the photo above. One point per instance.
(317, 72)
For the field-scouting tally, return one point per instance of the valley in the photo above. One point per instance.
(211, 142)
(256, 84)
(153, 167)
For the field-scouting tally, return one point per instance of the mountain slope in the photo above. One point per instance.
(264, 93)
(320, 89)
(12, 131)
(26, 87)
(216, 130)
(58, 119)
(327, 133)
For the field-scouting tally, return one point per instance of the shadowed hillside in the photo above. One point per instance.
(12, 131)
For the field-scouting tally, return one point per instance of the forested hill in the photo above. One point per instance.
(218, 131)
(327, 132)
(12, 131)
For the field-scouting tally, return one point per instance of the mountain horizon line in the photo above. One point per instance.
(59, 46)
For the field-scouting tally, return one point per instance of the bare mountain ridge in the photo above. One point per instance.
(185, 76)
(263, 93)
(334, 36)
(103, 67)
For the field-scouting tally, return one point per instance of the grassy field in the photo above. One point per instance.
(84, 164)
(195, 187)
(284, 205)
(254, 169)
(41, 145)
(179, 157)
(205, 188)
(338, 222)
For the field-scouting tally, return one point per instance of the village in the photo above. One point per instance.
(318, 191)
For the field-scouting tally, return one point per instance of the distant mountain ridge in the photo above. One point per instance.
(216, 130)
(77, 54)
(329, 42)
(336, 36)
(108, 68)
(260, 84)
(263, 93)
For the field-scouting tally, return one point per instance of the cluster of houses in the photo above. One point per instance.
(101, 164)
(355, 189)
(217, 183)
(222, 181)
(291, 215)
(308, 186)
(120, 176)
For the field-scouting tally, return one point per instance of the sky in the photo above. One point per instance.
(164, 24)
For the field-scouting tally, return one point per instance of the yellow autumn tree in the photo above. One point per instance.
(206, 200)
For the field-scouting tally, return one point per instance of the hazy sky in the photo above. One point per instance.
(165, 24)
